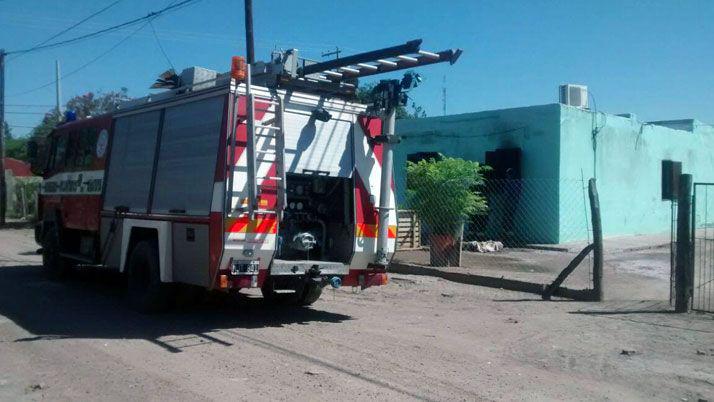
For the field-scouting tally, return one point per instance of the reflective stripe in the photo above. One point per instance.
(367, 230)
(262, 224)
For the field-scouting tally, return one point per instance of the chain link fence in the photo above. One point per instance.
(518, 214)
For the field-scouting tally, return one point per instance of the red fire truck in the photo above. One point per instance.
(265, 177)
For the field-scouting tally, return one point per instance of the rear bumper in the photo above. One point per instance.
(303, 267)
(364, 278)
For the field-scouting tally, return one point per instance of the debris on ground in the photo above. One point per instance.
(35, 387)
(488, 246)
(628, 352)
(512, 321)
(447, 295)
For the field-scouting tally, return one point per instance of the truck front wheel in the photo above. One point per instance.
(54, 265)
(146, 292)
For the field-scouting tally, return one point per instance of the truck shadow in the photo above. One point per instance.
(91, 304)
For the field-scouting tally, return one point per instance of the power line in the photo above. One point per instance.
(72, 26)
(16, 126)
(9, 112)
(27, 105)
(148, 16)
(83, 66)
(158, 42)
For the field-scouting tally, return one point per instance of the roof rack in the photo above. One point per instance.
(340, 76)
(404, 56)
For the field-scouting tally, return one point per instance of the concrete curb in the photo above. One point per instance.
(17, 225)
(488, 281)
(575, 249)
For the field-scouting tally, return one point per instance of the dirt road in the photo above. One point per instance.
(417, 338)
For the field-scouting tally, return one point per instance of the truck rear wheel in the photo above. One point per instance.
(303, 296)
(310, 294)
(272, 297)
(146, 292)
(54, 265)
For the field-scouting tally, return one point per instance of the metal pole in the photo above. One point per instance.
(3, 185)
(682, 277)
(58, 89)
(443, 96)
(597, 240)
(385, 191)
(250, 52)
(250, 144)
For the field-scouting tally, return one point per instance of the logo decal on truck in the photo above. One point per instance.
(74, 183)
(102, 143)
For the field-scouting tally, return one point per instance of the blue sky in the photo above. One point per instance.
(651, 58)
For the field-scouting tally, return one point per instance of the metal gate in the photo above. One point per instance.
(702, 280)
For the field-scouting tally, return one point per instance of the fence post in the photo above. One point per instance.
(597, 240)
(23, 201)
(682, 283)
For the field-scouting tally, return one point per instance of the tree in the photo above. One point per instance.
(444, 193)
(49, 121)
(8, 132)
(91, 104)
(367, 97)
(14, 147)
(83, 106)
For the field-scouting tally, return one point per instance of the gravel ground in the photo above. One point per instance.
(416, 338)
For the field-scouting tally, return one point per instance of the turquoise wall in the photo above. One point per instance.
(468, 136)
(557, 146)
(628, 162)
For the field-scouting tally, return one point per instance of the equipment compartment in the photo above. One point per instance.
(318, 221)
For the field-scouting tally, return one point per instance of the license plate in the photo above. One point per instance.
(245, 267)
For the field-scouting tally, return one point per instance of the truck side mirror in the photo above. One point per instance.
(32, 150)
(36, 155)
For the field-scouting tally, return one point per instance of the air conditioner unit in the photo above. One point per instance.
(574, 95)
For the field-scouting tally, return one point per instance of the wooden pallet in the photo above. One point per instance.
(408, 230)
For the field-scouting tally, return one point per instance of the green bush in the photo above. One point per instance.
(444, 192)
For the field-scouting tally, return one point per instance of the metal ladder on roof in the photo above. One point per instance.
(273, 132)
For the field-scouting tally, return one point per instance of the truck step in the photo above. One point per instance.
(257, 126)
(78, 257)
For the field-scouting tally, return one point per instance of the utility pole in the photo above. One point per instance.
(250, 51)
(335, 53)
(443, 96)
(3, 188)
(58, 89)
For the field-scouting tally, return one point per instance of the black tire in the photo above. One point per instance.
(272, 297)
(146, 292)
(310, 294)
(55, 266)
(304, 296)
